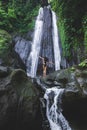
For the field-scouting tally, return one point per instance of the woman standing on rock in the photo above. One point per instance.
(45, 61)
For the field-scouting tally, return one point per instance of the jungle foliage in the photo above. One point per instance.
(5, 44)
(18, 15)
(72, 22)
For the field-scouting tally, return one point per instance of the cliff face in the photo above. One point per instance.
(47, 40)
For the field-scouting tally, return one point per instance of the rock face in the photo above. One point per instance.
(44, 3)
(74, 80)
(74, 100)
(3, 71)
(22, 48)
(19, 102)
(46, 42)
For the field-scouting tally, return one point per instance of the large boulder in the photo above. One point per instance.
(28, 97)
(8, 103)
(73, 80)
(19, 101)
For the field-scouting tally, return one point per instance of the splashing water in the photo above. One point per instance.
(57, 55)
(34, 54)
(54, 114)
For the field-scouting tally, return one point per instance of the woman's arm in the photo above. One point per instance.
(41, 57)
(50, 62)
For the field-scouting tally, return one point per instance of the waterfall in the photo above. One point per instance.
(45, 42)
(34, 54)
(54, 113)
(57, 56)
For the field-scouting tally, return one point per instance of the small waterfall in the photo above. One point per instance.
(54, 112)
(57, 55)
(34, 54)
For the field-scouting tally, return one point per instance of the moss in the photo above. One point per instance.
(83, 64)
(5, 40)
(4, 36)
(22, 84)
(18, 76)
(72, 23)
(72, 69)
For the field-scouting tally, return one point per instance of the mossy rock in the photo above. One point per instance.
(22, 83)
(5, 43)
(18, 75)
(3, 71)
(27, 93)
(19, 99)
(19, 79)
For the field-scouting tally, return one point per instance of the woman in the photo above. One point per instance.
(44, 61)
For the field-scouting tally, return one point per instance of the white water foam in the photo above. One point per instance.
(56, 119)
(57, 55)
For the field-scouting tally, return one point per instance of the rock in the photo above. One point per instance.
(3, 71)
(44, 3)
(46, 42)
(22, 48)
(19, 100)
(8, 103)
(28, 97)
(73, 80)
(74, 98)
(1, 61)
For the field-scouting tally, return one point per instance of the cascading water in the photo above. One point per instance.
(57, 56)
(54, 114)
(45, 42)
(34, 54)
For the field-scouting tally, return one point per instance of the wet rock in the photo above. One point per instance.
(1, 61)
(44, 3)
(19, 101)
(22, 48)
(46, 42)
(8, 103)
(73, 80)
(3, 71)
